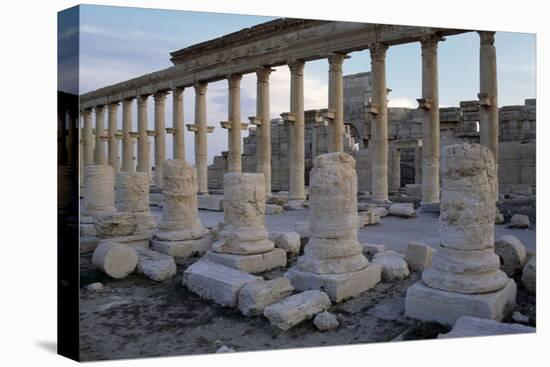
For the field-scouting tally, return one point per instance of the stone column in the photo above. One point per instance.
(379, 126)
(333, 259)
(201, 141)
(177, 123)
(88, 137)
(488, 101)
(336, 102)
(429, 104)
(112, 130)
(99, 190)
(263, 140)
(296, 132)
(99, 152)
(464, 279)
(418, 165)
(160, 135)
(132, 195)
(244, 241)
(127, 143)
(181, 233)
(396, 170)
(143, 164)
(234, 119)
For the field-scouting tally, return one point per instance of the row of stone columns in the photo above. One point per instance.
(377, 107)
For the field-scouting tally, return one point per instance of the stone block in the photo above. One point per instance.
(380, 211)
(216, 282)
(134, 240)
(371, 249)
(288, 241)
(467, 326)
(271, 209)
(115, 224)
(255, 263)
(338, 286)
(210, 202)
(297, 308)
(429, 304)
(325, 321)
(115, 259)
(519, 221)
(255, 297)
(394, 266)
(155, 265)
(512, 254)
(529, 275)
(295, 205)
(418, 256)
(183, 249)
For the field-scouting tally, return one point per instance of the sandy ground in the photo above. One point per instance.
(136, 317)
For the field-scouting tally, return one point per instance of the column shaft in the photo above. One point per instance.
(160, 135)
(143, 164)
(430, 121)
(263, 144)
(336, 102)
(296, 132)
(112, 130)
(127, 143)
(379, 126)
(177, 123)
(201, 158)
(234, 117)
(99, 133)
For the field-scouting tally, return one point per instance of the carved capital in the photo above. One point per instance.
(424, 103)
(486, 37)
(429, 43)
(160, 97)
(378, 52)
(177, 93)
(296, 67)
(200, 87)
(87, 113)
(234, 80)
(142, 100)
(263, 73)
(336, 61)
(99, 109)
(112, 107)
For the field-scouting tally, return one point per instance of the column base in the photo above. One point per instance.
(430, 207)
(429, 304)
(184, 249)
(253, 264)
(134, 240)
(338, 286)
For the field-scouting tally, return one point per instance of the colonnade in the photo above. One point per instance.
(377, 107)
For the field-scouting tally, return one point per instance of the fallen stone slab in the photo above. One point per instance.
(95, 287)
(297, 308)
(468, 326)
(210, 202)
(115, 259)
(254, 264)
(371, 249)
(288, 241)
(271, 209)
(418, 256)
(115, 224)
(404, 210)
(277, 199)
(181, 250)
(295, 205)
(225, 349)
(520, 318)
(216, 282)
(394, 266)
(367, 219)
(325, 321)
(255, 297)
(519, 221)
(380, 211)
(155, 265)
(512, 254)
(529, 275)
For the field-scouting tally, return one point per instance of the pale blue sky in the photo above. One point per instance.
(118, 43)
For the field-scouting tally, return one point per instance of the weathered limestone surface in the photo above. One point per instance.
(253, 263)
(180, 230)
(273, 209)
(333, 257)
(464, 279)
(288, 241)
(255, 297)
(216, 282)
(419, 256)
(115, 224)
(519, 221)
(115, 259)
(512, 254)
(405, 210)
(529, 275)
(371, 249)
(132, 195)
(297, 308)
(468, 326)
(210, 202)
(99, 189)
(394, 266)
(325, 321)
(155, 265)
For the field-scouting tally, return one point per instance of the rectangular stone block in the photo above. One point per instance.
(210, 202)
(338, 286)
(250, 263)
(297, 308)
(216, 282)
(183, 249)
(418, 256)
(255, 297)
(135, 240)
(429, 304)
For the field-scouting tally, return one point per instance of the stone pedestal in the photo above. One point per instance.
(464, 279)
(132, 195)
(244, 241)
(181, 232)
(333, 259)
